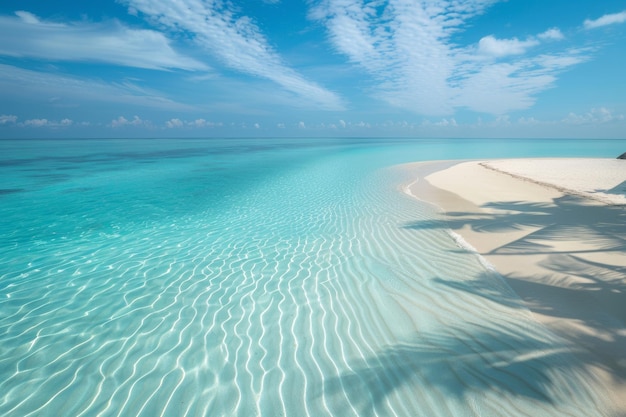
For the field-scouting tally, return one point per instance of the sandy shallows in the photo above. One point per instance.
(556, 230)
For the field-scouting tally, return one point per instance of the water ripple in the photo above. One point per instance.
(319, 304)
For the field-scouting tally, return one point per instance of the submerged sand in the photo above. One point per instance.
(555, 229)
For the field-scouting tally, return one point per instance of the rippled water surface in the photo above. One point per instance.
(259, 277)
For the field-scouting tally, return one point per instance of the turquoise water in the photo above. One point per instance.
(260, 277)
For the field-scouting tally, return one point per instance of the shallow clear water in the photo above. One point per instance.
(260, 277)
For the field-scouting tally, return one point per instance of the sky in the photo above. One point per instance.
(397, 68)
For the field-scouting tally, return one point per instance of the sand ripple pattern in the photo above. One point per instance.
(306, 297)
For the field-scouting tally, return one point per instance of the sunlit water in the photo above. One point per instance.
(260, 277)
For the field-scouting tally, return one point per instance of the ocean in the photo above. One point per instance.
(261, 277)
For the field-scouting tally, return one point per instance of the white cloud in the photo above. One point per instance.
(122, 122)
(198, 123)
(553, 34)
(7, 118)
(502, 87)
(491, 46)
(607, 19)
(203, 123)
(27, 17)
(406, 46)
(342, 123)
(447, 123)
(36, 122)
(502, 120)
(47, 123)
(111, 42)
(595, 115)
(176, 123)
(237, 41)
(173, 123)
(301, 125)
(528, 121)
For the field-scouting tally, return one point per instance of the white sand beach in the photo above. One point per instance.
(555, 229)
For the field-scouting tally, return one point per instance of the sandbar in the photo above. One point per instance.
(555, 229)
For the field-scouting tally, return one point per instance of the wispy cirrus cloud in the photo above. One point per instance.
(25, 35)
(407, 47)
(40, 86)
(501, 87)
(404, 44)
(606, 20)
(235, 40)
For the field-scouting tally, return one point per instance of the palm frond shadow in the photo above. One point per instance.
(589, 293)
(619, 189)
(568, 217)
(600, 277)
(597, 303)
(457, 364)
(483, 287)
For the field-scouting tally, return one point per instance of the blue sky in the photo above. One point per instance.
(422, 68)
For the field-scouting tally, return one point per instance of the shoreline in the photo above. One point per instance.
(555, 230)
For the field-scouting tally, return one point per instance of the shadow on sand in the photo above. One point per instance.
(573, 284)
(461, 364)
(568, 216)
(470, 362)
